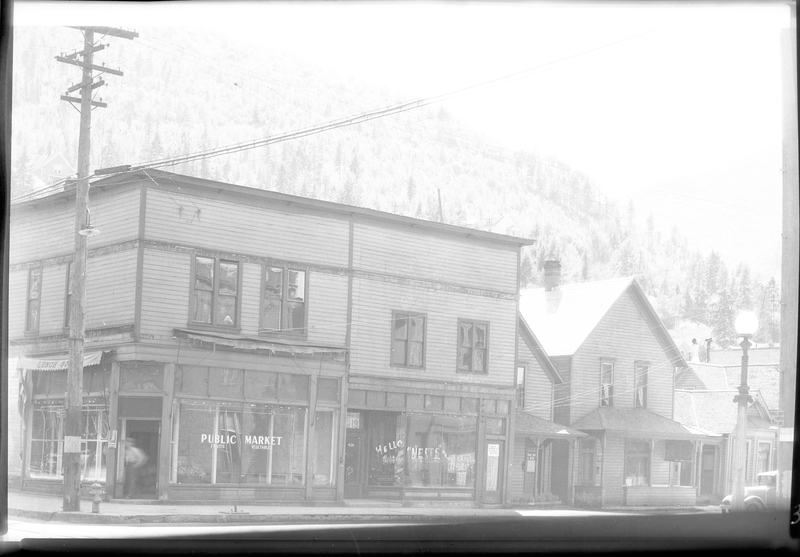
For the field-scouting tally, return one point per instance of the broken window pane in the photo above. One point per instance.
(415, 354)
(480, 336)
(274, 283)
(203, 273)
(401, 327)
(465, 334)
(228, 278)
(297, 286)
(479, 360)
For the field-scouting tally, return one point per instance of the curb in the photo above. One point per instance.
(98, 518)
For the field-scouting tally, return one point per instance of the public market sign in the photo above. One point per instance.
(255, 441)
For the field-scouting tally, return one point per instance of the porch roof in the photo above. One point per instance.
(528, 424)
(635, 423)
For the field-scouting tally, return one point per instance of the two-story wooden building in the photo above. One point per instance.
(617, 363)
(266, 347)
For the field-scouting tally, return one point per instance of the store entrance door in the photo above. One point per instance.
(707, 469)
(494, 466)
(354, 465)
(147, 434)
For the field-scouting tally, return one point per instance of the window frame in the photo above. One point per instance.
(520, 384)
(637, 367)
(286, 269)
(471, 370)
(29, 299)
(214, 292)
(397, 314)
(610, 396)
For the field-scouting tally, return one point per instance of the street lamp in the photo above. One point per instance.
(746, 324)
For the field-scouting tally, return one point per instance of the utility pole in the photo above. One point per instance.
(83, 229)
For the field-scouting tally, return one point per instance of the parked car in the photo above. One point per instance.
(759, 497)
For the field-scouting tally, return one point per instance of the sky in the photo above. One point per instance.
(674, 106)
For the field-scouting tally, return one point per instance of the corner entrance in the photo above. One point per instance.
(147, 434)
(353, 465)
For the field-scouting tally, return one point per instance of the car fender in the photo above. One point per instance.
(757, 500)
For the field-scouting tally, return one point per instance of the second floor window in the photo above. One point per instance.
(34, 296)
(216, 292)
(520, 387)
(640, 386)
(473, 346)
(408, 339)
(606, 383)
(283, 301)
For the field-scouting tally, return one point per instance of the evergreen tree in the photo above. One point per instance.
(411, 188)
(744, 297)
(723, 316)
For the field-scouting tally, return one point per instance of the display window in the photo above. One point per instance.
(421, 450)
(223, 443)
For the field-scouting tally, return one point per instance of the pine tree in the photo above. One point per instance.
(723, 316)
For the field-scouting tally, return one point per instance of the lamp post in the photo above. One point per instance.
(746, 324)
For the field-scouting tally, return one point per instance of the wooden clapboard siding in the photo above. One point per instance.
(51, 304)
(613, 470)
(17, 290)
(110, 289)
(327, 308)
(562, 393)
(116, 216)
(659, 468)
(42, 232)
(250, 298)
(239, 228)
(373, 303)
(538, 388)
(165, 293)
(48, 229)
(408, 252)
(624, 335)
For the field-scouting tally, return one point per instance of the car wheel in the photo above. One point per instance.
(752, 507)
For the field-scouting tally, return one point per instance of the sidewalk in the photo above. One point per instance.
(49, 508)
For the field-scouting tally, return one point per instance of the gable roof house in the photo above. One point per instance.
(265, 346)
(618, 364)
(704, 399)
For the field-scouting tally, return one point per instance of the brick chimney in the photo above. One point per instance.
(552, 275)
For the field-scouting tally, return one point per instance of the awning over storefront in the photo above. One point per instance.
(57, 363)
(635, 423)
(245, 342)
(529, 425)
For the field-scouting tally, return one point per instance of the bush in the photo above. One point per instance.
(587, 500)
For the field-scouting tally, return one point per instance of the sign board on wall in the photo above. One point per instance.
(354, 420)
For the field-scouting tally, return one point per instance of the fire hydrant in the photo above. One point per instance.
(97, 493)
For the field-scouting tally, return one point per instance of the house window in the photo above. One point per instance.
(680, 455)
(521, 387)
(588, 460)
(637, 463)
(283, 305)
(34, 295)
(216, 292)
(408, 340)
(640, 386)
(473, 346)
(606, 383)
(763, 457)
(68, 296)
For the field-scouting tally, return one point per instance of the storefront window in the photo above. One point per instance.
(47, 436)
(140, 376)
(421, 450)
(240, 443)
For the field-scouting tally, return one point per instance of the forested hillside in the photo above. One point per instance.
(185, 92)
